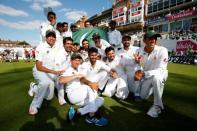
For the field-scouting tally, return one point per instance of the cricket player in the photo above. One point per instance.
(128, 52)
(96, 70)
(62, 62)
(100, 44)
(59, 36)
(48, 25)
(83, 93)
(84, 49)
(44, 71)
(153, 59)
(116, 84)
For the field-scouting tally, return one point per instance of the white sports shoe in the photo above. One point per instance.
(33, 110)
(154, 111)
(31, 89)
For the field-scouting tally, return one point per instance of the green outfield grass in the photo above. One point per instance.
(180, 99)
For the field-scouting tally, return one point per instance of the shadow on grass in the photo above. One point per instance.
(170, 119)
(128, 115)
(126, 119)
(121, 118)
(41, 122)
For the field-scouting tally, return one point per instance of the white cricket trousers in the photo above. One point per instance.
(152, 85)
(60, 90)
(118, 86)
(45, 88)
(86, 98)
(132, 84)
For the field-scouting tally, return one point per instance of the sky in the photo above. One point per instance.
(21, 19)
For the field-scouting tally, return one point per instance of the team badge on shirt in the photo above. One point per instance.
(48, 52)
(165, 60)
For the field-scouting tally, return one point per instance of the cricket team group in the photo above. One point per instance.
(83, 73)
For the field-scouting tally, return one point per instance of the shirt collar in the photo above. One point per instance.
(89, 63)
(73, 69)
(48, 46)
(155, 49)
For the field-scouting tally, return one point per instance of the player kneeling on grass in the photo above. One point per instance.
(83, 93)
(117, 83)
(153, 60)
(44, 72)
